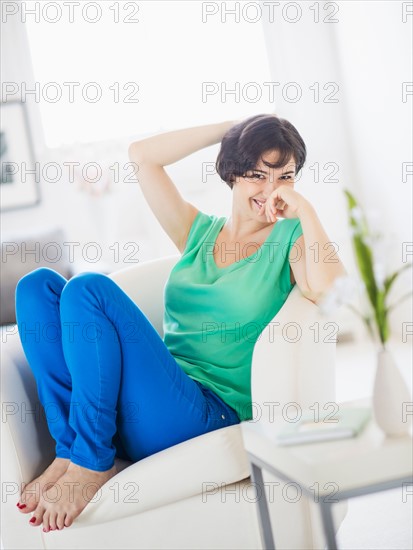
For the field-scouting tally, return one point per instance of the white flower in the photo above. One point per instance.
(373, 217)
(341, 292)
(353, 231)
(357, 213)
(379, 274)
(370, 241)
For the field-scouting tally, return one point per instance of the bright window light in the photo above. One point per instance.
(182, 71)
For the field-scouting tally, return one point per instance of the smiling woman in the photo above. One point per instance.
(214, 315)
(224, 259)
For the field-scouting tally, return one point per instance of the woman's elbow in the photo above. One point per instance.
(136, 151)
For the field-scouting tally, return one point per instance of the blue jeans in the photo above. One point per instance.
(107, 382)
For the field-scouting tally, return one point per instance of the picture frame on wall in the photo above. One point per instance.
(19, 178)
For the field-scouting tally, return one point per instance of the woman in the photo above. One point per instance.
(119, 389)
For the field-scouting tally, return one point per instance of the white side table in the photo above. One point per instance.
(342, 468)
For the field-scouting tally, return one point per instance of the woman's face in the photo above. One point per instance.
(255, 186)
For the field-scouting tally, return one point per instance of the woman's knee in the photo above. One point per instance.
(36, 280)
(87, 280)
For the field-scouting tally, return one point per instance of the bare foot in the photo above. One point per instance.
(61, 504)
(30, 496)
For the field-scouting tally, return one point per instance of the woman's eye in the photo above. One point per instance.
(285, 177)
(253, 176)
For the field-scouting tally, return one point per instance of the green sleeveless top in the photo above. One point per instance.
(213, 316)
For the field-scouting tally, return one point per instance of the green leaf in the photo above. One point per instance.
(365, 264)
(389, 280)
(366, 319)
(399, 301)
(364, 259)
(381, 316)
(360, 225)
(351, 201)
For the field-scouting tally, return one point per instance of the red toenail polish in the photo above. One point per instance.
(22, 506)
(32, 520)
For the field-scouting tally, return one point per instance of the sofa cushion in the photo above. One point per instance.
(194, 467)
(24, 251)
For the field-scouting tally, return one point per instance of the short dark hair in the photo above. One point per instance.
(244, 144)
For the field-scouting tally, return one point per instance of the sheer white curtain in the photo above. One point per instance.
(352, 63)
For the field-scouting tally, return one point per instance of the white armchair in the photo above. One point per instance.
(195, 495)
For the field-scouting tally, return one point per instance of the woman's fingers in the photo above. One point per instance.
(274, 208)
(277, 204)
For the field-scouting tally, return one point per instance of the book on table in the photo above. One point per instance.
(346, 422)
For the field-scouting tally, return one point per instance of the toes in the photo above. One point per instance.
(35, 521)
(52, 522)
(46, 522)
(68, 521)
(29, 498)
(25, 507)
(60, 521)
(37, 518)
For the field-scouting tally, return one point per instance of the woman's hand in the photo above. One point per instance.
(283, 202)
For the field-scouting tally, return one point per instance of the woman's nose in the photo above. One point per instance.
(270, 186)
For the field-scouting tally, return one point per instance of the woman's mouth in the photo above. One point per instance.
(258, 204)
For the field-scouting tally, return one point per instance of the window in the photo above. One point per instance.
(182, 71)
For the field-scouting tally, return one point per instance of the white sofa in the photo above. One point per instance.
(195, 495)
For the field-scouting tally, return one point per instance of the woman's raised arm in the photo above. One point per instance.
(169, 147)
(150, 155)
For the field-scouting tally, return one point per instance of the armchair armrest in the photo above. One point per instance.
(294, 358)
(27, 447)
